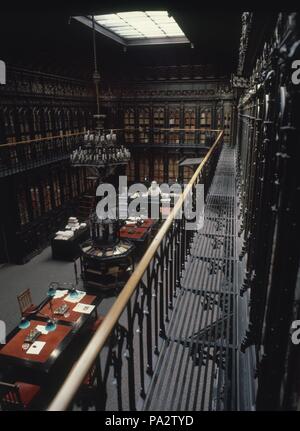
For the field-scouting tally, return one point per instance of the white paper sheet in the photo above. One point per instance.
(35, 348)
(42, 329)
(84, 308)
(60, 293)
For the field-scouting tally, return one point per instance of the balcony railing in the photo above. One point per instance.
(24, 155)
(189, 137)
(125, 347)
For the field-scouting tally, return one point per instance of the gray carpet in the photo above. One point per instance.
(36, 275)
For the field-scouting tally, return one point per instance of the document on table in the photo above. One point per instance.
(60, 293)
(35, 348)
(42, 329)
(78, 298)
(84, 308)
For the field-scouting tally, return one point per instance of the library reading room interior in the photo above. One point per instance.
(149, 226)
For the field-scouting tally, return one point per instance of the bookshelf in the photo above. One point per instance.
(205, 123)
(174, 122)
(158, 123)
(129, 125)
(190, 123)
(144, 125)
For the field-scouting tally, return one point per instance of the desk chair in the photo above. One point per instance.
(25, 303)
(17, 396)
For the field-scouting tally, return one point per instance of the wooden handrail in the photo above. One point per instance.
(79, 371)
(48, 138)
(173, 129)
(45, 138)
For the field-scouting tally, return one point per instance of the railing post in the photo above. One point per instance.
(130, 359)
(149, 367)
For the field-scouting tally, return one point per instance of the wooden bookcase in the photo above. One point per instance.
(129, 126)
(143, 125)
(190, 123)
(174, 123)
(159, 135)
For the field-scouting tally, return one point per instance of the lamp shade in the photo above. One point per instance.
(51, 325)
(52, 290)
(73, 293)
(24, 324)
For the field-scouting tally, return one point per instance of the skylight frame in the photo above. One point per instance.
(127, 37)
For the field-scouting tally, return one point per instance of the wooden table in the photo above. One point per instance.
(73, 318)
(57, 341)
(69, 249)
(134, 233)
(139, 234)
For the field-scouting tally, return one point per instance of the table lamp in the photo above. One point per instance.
(51, 325)
(52, 289)
(24, 324)
(73, 292)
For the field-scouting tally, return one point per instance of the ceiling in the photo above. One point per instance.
(56, 42)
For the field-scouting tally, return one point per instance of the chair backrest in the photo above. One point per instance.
(24, 300)
(9, 396)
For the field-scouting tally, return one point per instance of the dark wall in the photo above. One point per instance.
(269, 155)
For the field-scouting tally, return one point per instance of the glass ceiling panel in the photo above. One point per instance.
(142, 25)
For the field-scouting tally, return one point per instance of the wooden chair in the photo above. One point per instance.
(17, 396)
(25, 303)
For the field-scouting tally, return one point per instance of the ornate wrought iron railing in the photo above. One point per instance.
(24, 155)
(29, 154)
(125, 348)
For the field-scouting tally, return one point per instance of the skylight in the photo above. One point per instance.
(139, 28)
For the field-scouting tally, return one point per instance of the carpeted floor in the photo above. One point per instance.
(36, 275)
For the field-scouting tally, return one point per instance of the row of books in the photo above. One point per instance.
(31, 154)
(158, 169)
(23, 124)
(38, 198)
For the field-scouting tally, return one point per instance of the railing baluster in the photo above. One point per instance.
(149, 325)
(129, 354)
(162, 331)
(141, 313)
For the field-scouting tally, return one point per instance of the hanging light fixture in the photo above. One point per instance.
(96, 79)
